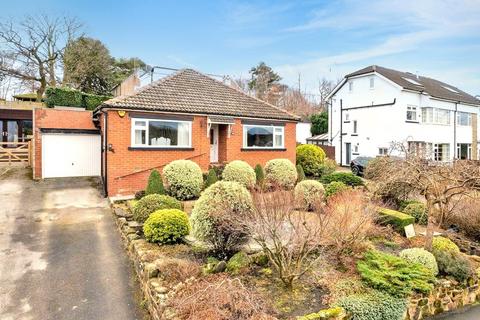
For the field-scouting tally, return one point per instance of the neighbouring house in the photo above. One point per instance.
(375, 106)
(187, 115)
(303, 131)
(319, 140)
(16, 121)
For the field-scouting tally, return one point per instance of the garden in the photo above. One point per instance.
(304, 241)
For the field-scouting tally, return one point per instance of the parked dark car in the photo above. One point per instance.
(359, 164)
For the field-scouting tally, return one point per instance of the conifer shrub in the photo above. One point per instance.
(375, 305)
(153, 202)
(347, 178)
(259, 174)
(211, 178)
(154, 184)
(166, 226)
(421, 256)
(418, 211)
(335, 187)
(300, 173)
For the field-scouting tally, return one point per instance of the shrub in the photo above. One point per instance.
(454, 264)
(351, 221)
(332, 313)
(374, 306)
(346, 177)
(166, 226)
(62, 96)
(421, 256)
(418, 211)
(327, 167)
(211, 178)
(300, 173)
(139, 194)
(394, 275)
(467, 217)
(183, 179)
(308, 194)
(154, 184)
(443, 244)
(153, 202)
(238, 262)
(397, 219)
(216, 216)
(218, 297)
(280, 173)
(241, 172)
(402, 204)
(310, 157)
(334, 188)
(259, 174)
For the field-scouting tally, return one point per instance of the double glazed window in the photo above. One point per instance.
(441, 151)
(464, 119)
(436, 116)
(161, 133)
(258, 136)
(411, 113)
(464, 151)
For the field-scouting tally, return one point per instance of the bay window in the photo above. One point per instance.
(259, 136)
(161, 133)
(435, 116)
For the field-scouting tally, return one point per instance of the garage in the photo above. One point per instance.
(70, 153)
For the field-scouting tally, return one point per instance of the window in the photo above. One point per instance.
(418, 148)
(412, 81)
(435, 116)
(354, 126)
(347, 116)
(464, 119)
(257, 136)
(355, 149)
(441, 152)
(372, 82)
(161, 133)
(464, 151)
(350, 86)
(383, 151)
(411, 113)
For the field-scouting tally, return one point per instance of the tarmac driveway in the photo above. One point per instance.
(60, 254)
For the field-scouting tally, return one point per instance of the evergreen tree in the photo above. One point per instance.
(300, 173)
(155, 184)
(211, 178)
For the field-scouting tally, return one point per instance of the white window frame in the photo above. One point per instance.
(469, 150)
(245, 140)
(413, 110)
(434, 114)
(146, 128)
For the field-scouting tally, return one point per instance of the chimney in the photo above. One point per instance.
(416, 75)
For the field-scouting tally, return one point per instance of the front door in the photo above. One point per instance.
(10, 132)
(214, 143)
(348, 153)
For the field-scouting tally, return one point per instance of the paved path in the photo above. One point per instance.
(60, 254)
(468, 313)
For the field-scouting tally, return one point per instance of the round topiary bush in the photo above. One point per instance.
(418, 211)
(166, 226)
(308, 194)
(335, 187)
(443, 244)
(215, 216)
(241, 172)
(421, 256)
(310, 157)
(153, 202)
(280, 173)
(183, 179)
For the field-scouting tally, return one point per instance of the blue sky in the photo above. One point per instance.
(313, 39)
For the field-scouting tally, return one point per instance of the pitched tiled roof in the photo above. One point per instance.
(431, 86)
(188, 91)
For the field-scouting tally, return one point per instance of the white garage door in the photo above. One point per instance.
(70, 155)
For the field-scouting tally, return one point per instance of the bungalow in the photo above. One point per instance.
(187, 115)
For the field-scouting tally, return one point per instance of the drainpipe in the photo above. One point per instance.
(455, 151)
(105, 154)
(341, 132)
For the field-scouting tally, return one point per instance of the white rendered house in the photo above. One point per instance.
(375, 106)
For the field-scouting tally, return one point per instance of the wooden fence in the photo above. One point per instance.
(329, 151)
(16, 152)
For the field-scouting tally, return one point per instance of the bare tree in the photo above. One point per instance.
(292, 240)
(441, 184)
(32, 49)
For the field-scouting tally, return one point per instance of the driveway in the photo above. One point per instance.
(60, 254)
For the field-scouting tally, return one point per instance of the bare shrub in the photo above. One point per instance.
(218, 297)
(351, 220)
(467, 217)
(176, 270)
(292, 240)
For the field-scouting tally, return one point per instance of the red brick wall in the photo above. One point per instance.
(55, 119)
(128, 170)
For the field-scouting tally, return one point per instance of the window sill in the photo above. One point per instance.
(344, 134)
(263, 149)
(346, 121)
(160, 148)
(354, 134)
(355, 153)
(412, 121)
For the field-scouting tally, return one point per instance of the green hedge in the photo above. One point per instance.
(346, 177)
(395, 218)
(72, 98)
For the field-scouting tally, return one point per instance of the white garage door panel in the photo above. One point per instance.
(70, 155)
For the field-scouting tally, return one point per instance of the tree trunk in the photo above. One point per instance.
(41, 89)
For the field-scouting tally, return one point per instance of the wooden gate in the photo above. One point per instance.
(11, 152)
